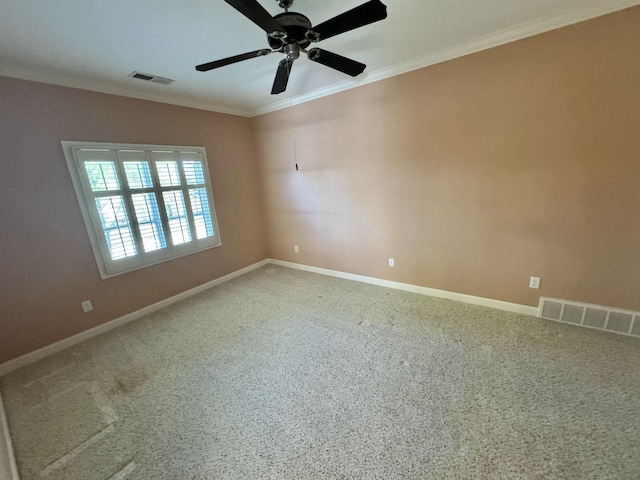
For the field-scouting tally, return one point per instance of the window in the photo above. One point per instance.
(142, 204)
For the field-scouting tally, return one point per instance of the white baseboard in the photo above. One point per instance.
(41, 353)
(44, 352)
(8, 467)
(432, 292)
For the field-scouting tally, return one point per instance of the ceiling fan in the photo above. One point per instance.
(291, 33)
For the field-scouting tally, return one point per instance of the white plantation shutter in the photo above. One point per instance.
(143, 204)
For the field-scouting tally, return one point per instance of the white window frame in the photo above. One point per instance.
(76, 153)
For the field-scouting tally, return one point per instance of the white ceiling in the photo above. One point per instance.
(96, 44)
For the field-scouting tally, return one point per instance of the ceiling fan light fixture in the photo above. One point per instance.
(291, 32)
(292, 51)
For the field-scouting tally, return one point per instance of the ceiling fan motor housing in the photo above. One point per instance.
(296, 25)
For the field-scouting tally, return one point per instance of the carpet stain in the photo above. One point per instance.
(364, 322)
(127, 382)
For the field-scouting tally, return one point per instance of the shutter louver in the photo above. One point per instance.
(142, 204)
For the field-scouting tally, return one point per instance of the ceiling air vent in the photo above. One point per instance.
(151, 78)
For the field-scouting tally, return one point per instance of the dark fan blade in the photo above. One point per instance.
(282, 76)
(365, 14)
(258, 15)
(337, 62)
(205, 67)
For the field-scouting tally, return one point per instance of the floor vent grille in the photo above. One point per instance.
(614, 320)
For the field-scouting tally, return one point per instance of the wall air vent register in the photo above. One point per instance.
(614, 320)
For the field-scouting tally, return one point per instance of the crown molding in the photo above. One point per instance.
(519, 32)
(102, 87)
(592, 10)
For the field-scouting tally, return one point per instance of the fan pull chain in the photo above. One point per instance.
(293, 123)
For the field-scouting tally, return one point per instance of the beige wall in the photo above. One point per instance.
(47, 266)
(474, 174)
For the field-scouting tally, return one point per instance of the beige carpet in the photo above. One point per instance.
(282, 374)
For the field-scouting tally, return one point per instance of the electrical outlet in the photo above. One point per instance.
(86, 306)
(392, 262)
(296, 249)
(534, 282)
